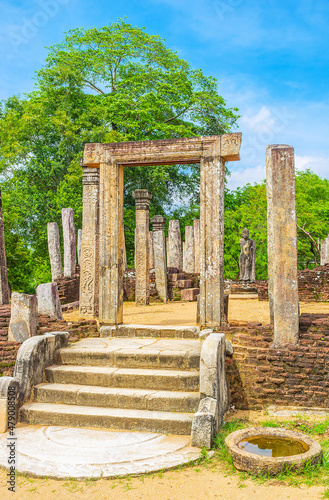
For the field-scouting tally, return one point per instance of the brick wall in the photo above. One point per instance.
(260, 376)
(68, 288)
(313, 285)
(8, 350)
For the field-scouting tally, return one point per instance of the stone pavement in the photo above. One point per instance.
(66, 452)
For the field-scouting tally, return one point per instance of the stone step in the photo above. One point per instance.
(184, 284)
(110, 397)
(109, 418)
(155, 331)
(130, 378)
(190, 294)
(178, 354)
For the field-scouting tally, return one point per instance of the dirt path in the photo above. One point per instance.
(192, 483)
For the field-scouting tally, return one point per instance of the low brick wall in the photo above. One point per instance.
(260, 376)
(8, 350)
(68, 288)
(313, 285)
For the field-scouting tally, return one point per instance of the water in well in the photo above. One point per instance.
(271, 446)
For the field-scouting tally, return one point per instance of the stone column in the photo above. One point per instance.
(79, 246)
(70, 260)
(174, 245)
(89, 266)
(142, 292)
(124, 250)
(110, 241)
(184, 256)
(282, 242)
(54, 249)
(324, 256)
(4, 285)
(212, 176)
(160, 256)
(151, 250)
(196, 233)
(189, 250)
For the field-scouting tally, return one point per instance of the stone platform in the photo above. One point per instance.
(65, 452)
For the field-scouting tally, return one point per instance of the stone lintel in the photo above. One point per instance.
(165, 152)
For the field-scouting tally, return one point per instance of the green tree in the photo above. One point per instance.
(116, 83)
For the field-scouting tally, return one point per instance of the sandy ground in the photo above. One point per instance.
(192, 483)
(202, 481)
(184, 313)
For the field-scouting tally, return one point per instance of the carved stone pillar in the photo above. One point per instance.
(212, 176)
(89, 270)
(142, 290)
(174, 245)
(282, 243)
(159, 240)
(189, 250)
(196, 234)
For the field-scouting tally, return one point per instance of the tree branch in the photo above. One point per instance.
(314, 244)
(92, 86)
(177, 116)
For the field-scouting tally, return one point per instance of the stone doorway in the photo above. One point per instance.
(101, 283)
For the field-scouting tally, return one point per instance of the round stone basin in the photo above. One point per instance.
(270, 450)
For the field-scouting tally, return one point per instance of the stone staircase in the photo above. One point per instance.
(136, 383)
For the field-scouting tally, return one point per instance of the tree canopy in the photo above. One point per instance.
(118, 83)
(115, 83)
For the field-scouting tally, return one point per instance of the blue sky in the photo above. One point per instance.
(270, 58)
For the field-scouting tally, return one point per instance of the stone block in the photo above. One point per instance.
(48, 300)
(203, 424)
(190, 294)
(24, 317)
(184, 284)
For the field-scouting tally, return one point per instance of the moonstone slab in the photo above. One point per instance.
(64, 452)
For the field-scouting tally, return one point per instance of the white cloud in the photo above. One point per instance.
(249, 175)
(317, 164)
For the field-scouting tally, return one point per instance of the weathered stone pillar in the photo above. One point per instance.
(79, 246)
(151, 250)
(54, 249)
(324, 256)
(89, 267)
(159, 240)
(189, 250)
(212, 177)
(196, 234)
(142, 292)
(48, 300)
(70, 260)
(110, 241)
(4, 285)
(282, 242)
(124, 250)
(24, 317)
(174, 245)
